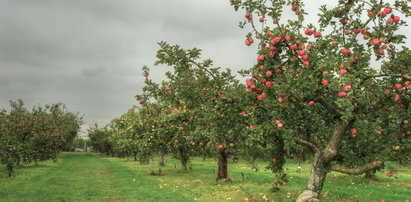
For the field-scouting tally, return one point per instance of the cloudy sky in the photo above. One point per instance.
(88, 53)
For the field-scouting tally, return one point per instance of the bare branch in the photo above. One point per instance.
(358, 170)
(255, 29)
(307, 144)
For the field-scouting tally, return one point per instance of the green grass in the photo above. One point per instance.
(93, 177)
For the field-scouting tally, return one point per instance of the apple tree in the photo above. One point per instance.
(339, 87)
(207, 104)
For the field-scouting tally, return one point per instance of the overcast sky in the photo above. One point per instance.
(88, 53)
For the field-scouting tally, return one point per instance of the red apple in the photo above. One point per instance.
(341, 94)
(305, 57)
(345, 51)
(301, 52)
(317, 34)
(347, 88)
(268, 73)
(396, 19)
(354, 131)
(398, 86)
(260, 57)
(275, 40)
(344, 21)
(388, 10)
(261, 19)
(353, 59)
(397, 97)
(293, 46)
(308, 31)
(375, 42)
(268, 84)
(343, 71)
(220, 146)
(248, 16)
(325, 82)
(311, 103)
(287, 38)
(388, 173)
(260, 97)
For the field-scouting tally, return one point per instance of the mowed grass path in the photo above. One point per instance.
(80, 177)
(93, 177)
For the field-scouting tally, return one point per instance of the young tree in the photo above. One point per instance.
(340, 88)
(206, 104)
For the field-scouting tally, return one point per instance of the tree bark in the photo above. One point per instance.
(183, 164)
(222, 173)
(358, 170)
(161, 155)
(321, 162)
(183, 159)
(316, 181)
(399, 165)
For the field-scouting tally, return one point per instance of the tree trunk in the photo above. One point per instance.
(161, 155)
(399, 167)
(183, 164)
(17, 161)
(321, 162)
(222, 165)
(316, 181)
(183, 159)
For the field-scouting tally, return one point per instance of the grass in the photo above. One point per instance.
(93, 177)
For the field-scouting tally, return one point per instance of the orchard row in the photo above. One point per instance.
(319, 91)
(31, 136)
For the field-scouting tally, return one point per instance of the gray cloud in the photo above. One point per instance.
(88, 53)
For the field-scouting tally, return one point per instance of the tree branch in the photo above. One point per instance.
(201, 67)
(255, 29)
(307, 144)
(331, 150)
(334, 112)
(358, 170)
(406, 76)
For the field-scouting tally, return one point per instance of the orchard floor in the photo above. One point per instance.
(93, 177)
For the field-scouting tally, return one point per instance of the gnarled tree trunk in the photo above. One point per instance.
(321, 162)
(316, 181)
(222, 165)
